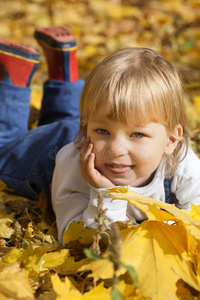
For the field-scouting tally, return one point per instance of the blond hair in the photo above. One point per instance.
(141, 82)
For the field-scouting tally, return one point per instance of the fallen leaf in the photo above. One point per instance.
(76, 231)
(14, 283)
(5, 230)
(145, 204)
(158, 253)
(66, 290)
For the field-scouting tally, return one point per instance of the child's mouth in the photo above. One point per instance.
(119, 169)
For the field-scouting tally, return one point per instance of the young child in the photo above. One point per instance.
(133, 133)
(27, 157)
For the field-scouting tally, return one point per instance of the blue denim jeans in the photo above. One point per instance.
(27, 157)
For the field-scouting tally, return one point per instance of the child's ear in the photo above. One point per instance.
(173, 140)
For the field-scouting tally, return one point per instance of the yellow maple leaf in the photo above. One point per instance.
(14, 283)
(70, 266)
(5, 230)
(98, 290)
(55, 258)
(41, 259)
(128, 291)
(36, 259)
(11, 257)
(76, 231)
(100, 268)
(195, 211)
(66, 290)
(158, 253)
(145, 204)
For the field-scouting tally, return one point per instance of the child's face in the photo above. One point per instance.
(127, 154)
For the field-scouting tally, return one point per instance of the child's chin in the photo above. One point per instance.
(120, 182)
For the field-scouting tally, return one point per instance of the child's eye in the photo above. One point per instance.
(138, 135)
(102, 131)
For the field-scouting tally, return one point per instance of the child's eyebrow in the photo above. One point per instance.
(102, 119)
(97, 121)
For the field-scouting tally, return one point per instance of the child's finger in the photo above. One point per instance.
(87, 166)
(90, 164)
(85, 144)
(86, 150)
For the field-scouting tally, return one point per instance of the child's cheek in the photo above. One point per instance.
(100, 152)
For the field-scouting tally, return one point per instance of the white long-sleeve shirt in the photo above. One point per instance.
(74, 199)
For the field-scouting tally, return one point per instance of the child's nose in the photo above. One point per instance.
(118, 148)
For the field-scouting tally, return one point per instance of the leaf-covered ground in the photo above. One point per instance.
(33, 265)
(159, 259)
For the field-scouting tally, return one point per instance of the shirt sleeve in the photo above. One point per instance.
(70, 192)
(186, 182)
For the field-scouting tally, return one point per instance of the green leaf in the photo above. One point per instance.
(90, 254)
(131, 272)
(116, 295)
(25, 244)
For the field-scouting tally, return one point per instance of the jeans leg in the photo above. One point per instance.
(60, 101)
(27, 163)
(14, 111)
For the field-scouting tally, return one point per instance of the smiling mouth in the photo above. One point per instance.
(123, 169)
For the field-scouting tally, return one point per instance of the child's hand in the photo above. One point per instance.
(89, 173)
